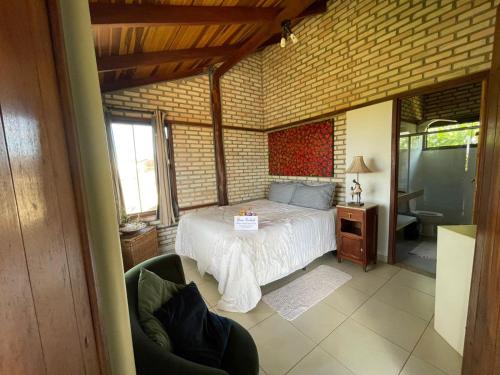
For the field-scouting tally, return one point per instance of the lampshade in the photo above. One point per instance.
(358, 166)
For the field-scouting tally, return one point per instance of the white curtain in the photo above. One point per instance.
(119, 202)
(165, 211)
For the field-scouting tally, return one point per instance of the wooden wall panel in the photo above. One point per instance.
(46, 215)
(19, 329)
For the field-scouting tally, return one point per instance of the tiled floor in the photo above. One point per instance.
(412, 261)
(379, 323)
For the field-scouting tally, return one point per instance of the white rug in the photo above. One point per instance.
(425, 250)
(295, 298)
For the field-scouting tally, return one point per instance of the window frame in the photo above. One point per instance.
(173, 176)
(143, 122)
(425, 147)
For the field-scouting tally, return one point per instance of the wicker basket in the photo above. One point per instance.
(139, 246)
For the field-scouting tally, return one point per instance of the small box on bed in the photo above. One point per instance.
(246, 223)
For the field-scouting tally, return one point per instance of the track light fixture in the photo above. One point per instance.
(286, 32)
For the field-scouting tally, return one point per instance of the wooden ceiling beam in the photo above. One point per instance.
(117, 62)
(292, 9)
(152, 14)
(122, 84)
(318, 7)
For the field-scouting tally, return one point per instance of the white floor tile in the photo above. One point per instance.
(415, 366)
(318, 362)
(346, 299)
(407, 299)
(280, 345)
(416, 281)
(209, 292)
(250, 319)
(394, 324)
(433, 349)
(363, 351)
(319, 321)
(366, 282)
(383, 270)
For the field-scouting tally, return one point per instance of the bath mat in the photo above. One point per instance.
(298, 296)
(425, 250)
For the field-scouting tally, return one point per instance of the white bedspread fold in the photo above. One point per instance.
(289, 238)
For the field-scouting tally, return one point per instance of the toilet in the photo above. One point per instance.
(429, 221)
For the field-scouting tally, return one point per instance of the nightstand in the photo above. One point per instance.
(356, 230)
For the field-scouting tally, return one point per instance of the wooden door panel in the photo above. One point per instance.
(482, 340)
(39, 170)
(19, 333)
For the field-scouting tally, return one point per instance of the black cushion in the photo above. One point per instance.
(197, 334)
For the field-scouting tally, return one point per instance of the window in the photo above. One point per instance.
(135, 160)
(452, 135)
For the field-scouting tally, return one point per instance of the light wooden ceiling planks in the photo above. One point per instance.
(142, 33)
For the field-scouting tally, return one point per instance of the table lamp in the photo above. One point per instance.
(357, 166)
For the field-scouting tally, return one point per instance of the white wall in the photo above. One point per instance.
(369, 134)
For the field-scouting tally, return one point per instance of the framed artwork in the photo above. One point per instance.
(305, 150)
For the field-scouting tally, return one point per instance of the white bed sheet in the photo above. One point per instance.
(288, 239)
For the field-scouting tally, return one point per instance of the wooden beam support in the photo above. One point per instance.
(153, 14)
(128, 83)
(220, 162)
(318, 7)
(291, 10)
(117, 62)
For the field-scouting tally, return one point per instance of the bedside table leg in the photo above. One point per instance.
(339, 259)
(364, 267)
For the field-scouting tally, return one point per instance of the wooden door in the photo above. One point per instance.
(46, 322)
(482, 340)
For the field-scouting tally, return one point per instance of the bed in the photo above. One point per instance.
(288, 239)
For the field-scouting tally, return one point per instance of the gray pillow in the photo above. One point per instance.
(281, 192)
(313, 196)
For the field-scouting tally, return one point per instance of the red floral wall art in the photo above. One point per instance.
(305, 150)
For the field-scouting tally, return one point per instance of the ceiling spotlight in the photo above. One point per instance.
(286, 32)
(283, 42)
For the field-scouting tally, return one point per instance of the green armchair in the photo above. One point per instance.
(241, 356)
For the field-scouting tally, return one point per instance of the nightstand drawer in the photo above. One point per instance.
(355, 215)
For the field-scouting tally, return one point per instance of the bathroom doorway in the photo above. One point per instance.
(437, 162)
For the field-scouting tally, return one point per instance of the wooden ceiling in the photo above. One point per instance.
(142, 42)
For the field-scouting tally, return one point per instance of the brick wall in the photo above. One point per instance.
(459, 103)
(412, 109)
(364, 50)
(194, 165)
(339, 162)
(456, 104)
(242, 95)
(246, 164)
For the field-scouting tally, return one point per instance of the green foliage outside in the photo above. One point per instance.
(452, 138)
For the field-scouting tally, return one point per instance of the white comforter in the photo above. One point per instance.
(289, 238)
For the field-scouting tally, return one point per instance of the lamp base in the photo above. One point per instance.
(355, 204)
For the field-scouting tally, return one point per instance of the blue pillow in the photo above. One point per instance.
(314, 196)
(196, 333)
(281, 192)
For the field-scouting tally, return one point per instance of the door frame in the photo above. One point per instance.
(71, 138)
(396, 126)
